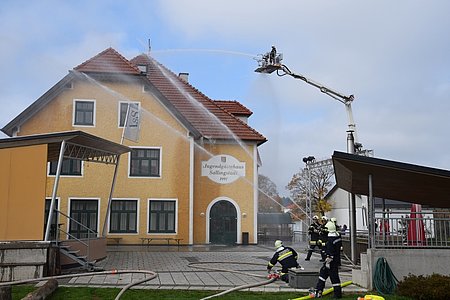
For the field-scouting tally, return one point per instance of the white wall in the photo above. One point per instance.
(340, 202)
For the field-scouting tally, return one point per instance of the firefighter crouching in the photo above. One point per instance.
(330, 267)
(286, 256)
(313, 231)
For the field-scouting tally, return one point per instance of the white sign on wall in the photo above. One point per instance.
(223, 169)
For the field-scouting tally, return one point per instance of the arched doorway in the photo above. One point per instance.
(223, 223)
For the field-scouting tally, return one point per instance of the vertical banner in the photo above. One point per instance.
(132, 123)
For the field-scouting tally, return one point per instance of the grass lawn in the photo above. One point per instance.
(72, 293)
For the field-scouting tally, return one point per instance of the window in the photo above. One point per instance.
(142, 68)
(84, 113)
(123, 108)
(145, 162)
(71, 167)
(86, 213)
(123, 217)
(161, 216)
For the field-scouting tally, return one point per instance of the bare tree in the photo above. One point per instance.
(317, 182)
(269, 199)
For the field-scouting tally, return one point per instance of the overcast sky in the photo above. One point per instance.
(394, 56)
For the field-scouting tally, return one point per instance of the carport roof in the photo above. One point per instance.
(392, 179)
(80, 145)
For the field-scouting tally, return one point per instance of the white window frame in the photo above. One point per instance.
(118, 110)
(138, 207)
(74, 176)
(69, 211)
(147, 228)
(160, 162)
(74, 112)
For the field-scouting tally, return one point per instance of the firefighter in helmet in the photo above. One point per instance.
(330, 267)
(323, 236)
(313, 231)
(286, 256)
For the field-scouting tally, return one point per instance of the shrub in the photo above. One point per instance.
(420, 287)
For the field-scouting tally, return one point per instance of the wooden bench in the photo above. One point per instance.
(116, 240)
(149, 239)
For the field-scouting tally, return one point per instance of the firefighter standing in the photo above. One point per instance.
(323, 236)
(330, 267)
(286, 256)
(313, 231)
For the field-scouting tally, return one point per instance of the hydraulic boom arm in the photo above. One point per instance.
(271, 62)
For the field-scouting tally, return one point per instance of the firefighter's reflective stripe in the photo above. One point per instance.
(281, 257)
(337, 241)
(313, 243)
(270, 265)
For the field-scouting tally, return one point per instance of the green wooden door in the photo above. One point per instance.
(223, 223)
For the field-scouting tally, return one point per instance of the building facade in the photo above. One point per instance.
(191, 175)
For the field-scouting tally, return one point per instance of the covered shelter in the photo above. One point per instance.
(392, 180)
(405, 182)
(23, 189)
(23, 175)
(274, 226)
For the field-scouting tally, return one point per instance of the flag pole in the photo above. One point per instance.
(125, 123)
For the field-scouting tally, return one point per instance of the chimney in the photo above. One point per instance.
(184, 76)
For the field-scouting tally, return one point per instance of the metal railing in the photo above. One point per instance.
(400, 229)
(89, 231)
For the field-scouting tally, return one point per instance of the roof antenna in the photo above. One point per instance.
(149, 47)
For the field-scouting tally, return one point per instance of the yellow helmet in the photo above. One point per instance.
(278, 244)
(330, 226)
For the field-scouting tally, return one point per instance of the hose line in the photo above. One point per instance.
(246, 286)
(384, 280)
(111, 272)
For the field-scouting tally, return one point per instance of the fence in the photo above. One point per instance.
(427, 229)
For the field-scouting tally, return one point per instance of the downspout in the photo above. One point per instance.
(191, 190)
(55, 189)
(255, 194)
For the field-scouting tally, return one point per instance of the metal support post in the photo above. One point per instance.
(108, 208)
(55, 189)
(352, 204)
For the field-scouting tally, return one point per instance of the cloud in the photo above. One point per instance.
(392, 55)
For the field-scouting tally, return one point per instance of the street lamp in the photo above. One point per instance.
(308, 205)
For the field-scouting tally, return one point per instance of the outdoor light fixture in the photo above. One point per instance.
(308, 159)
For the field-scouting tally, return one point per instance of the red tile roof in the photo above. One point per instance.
(210, 119)
(195, 110)
(108, 61)
(234, 107)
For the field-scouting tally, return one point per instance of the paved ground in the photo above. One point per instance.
(176, 268)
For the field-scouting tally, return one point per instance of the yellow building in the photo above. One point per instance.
(192, 174)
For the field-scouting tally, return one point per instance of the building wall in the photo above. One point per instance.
(402, 262)
(22, 188)
(340, 202)
(159, 128)
(241, 191)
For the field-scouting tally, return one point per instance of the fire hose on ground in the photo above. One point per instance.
(241, 287)
(111, 272)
